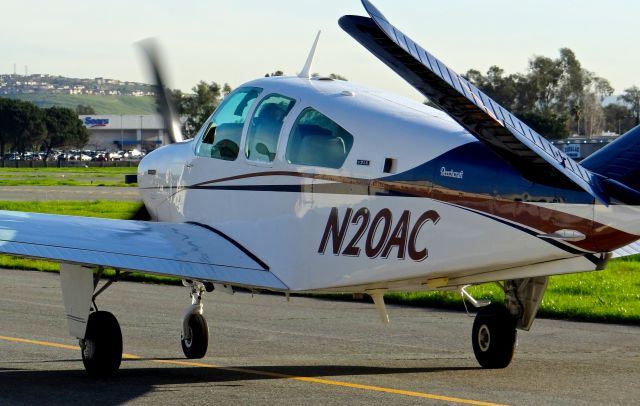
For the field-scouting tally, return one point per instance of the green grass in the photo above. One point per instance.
(107, 104)
(612, 295)
(65, 176)
(96, 208)
(27, 264)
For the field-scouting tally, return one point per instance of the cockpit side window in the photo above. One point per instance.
(221, 139)
(316, 140)
(265, 126)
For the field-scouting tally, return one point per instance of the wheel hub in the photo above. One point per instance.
(484, 338)
(88, 348)
(188, 340)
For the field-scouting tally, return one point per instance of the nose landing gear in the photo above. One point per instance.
(195, 332)
(196, 340)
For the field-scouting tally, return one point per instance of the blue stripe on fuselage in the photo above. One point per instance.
(474, 168)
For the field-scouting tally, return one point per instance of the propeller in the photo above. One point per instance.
(164, 102)
(163, 98)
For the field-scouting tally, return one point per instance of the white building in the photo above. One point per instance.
(124, 132)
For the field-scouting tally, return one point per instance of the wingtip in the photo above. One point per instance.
(373, 10)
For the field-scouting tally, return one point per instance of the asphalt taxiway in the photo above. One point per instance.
(266, 351)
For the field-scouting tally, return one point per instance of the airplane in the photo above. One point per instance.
(309, 184)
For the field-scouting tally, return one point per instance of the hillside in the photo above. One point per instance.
(107, 104)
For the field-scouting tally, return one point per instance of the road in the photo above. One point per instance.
(80, 174)
(69, 193)
(308, 351)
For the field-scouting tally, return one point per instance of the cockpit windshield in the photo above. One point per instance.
(221, 139)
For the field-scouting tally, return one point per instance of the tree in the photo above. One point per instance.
(590, 115)
(533, 97)
(548, 124)
(337, 76)
(85, 109)
(544, 77)
(631, 96)
(556, 96)
(276, 73)
(197, 107)
(618, 118)
(5, 117)
(502, 89)
(602, 88)
(573, 79)
(21, 125)
(64, 128)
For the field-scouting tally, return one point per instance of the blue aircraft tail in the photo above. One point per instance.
(619, 166)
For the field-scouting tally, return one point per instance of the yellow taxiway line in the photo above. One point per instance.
(274, 375)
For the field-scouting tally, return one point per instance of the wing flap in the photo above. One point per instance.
(631, 249)
(535, 157)
(182, 250)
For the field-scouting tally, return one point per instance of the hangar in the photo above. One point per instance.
(125, 132)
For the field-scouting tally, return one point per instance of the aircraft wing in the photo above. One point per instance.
(186, 250)
(535, 157)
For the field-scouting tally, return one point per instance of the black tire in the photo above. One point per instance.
(102, 345)
(196, 346)
(494, 337)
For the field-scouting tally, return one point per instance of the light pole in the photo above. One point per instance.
(121, 133)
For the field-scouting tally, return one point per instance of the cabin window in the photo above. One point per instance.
(316, 140)
(221, 139)
(265, 126)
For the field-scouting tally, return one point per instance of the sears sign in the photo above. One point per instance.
(91, 122)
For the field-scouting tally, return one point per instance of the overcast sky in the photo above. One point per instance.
(236, 41)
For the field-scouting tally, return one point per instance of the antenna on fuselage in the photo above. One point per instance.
(305, 73)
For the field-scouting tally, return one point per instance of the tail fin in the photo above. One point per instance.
(619, 164)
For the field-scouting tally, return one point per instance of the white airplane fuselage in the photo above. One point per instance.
(446, 206)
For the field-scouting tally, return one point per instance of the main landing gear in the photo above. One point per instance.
(494, 329)
(102, 345)
(494, 336)
(98, 331)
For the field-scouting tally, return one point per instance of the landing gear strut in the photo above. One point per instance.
(494, 336)
(494, 328)
(195, 332)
